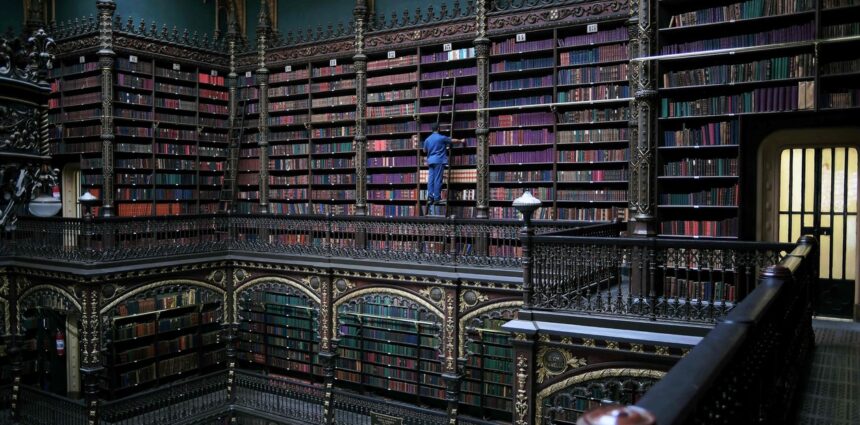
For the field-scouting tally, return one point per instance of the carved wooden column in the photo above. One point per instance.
(452, 372)
(359, 62)
(90, 342)
(232, 82)
(328, 342)
(482, 159)
(263, 123)
(524, 373)
(644, 117)
(229, 326)
(12, 348)
(106, 61)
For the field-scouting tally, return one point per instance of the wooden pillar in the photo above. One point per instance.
(359, 62)
(232, 82)
(91, 359)
(12, 348)
(452, 372)
(644, 120)
(482, 159)
(106, 62)
(524, 391)
(328, 345)
(263, 28)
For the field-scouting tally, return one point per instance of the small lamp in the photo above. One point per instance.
(527, 205)
(45, 205)
(87, 200)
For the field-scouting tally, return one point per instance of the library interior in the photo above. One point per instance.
(217, 212)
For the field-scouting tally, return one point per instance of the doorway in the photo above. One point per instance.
(812, 189)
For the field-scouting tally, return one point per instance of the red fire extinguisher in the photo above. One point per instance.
(61, 343)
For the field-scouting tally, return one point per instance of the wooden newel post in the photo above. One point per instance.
(617, 415)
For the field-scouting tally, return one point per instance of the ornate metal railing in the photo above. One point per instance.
(354, 409)
(281, 397)
(169, 404)
(689, 280)
(746, 370)
(480, 243)
(38, 407)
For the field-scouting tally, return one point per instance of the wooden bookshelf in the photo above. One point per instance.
(163, 335)
(390, 346)
(331, 119)
(704, 97)
(487, 385)
(170, 132)
(279, 332)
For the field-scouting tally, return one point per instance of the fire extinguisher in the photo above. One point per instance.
(61, 343)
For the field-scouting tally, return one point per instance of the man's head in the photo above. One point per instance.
(435, 127)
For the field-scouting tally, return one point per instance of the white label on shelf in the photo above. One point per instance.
(446, 47)
(176, 67)
(392, 54)
(247, 74)
(591, 28)
(213, 73)
(332, 62)
(132, 58)
(288, 68)
(521, 37)
(82, 59)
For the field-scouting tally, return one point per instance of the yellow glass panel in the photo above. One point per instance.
(852, 180)
(825, 221)
(783, 228)
(795, 227)
(838, 235)
(796, 179)
(809, 181)
(826, 172)
(784, 175)
(839, 180)
(824, 264)
(851, 247)
(808, 220)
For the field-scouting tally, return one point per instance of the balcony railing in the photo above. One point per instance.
(747, 369)
(479, 243)
(688, 280)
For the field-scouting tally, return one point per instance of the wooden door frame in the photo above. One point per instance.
(768, 174)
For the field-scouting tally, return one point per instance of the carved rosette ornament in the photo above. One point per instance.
(360, 139)
(642, 149)
(106, 60)
(482, 159)
(263, 28)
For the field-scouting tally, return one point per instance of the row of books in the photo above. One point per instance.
(602, 195)
(765, 99)
(702, 167)
(725, 133)
(798, 66)
(742, 10)
(794, 33)
(600, 54)
(710, 228)
(714, 196)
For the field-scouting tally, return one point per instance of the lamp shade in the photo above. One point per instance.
(45, 205)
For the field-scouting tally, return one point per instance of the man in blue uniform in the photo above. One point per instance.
(435, 147)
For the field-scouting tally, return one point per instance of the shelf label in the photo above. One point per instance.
(392, 54)
(288, 68)
(82, 59)
(247, 74)
(132, 59)
(521, 37)
(446, 47)
(213, 73)
(591, 28)
(176, 67)
(332, 62)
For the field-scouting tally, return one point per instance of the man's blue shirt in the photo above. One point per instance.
(434, 147)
